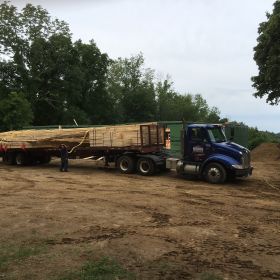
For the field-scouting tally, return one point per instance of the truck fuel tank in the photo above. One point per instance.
(171, 163)
(181, 167)
(187, 168)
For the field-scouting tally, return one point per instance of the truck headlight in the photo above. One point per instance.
(237, 166)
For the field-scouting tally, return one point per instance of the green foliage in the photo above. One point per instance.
(267, 57)
(104, 269)
(136, 97)
(76, 113)
(210, 276)
(12, 253)
(88, 82)
(49, 62)
(63, 80)
(172, 106)
(17, 34)
(19, 30)
(257, 137)
(204, 112)
(131, 89)
(15, 112)
(54, 74)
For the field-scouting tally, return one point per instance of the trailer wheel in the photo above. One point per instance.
(21, 159)
(9, 159)
(126, 164)
(4, 159)
(215, 173)
(146, 166)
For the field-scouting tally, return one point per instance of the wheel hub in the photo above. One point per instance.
(144, 167)
(214, 172)
(124, 165)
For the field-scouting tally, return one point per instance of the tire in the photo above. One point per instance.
(21, 159)
(9, 159)
(215, 173)
(126, 164)
(146, 167)
(4, 158)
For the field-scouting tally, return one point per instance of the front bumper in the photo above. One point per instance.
(244, 172)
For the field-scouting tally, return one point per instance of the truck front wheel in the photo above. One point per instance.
(126, 164)
(215, 173)
(146, 166)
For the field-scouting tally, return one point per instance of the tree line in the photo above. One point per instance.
(47, 78)
(257, 137)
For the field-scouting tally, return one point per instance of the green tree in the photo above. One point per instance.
(18, 32)
(88, 79)
(7, 78)
(173, 106)
(68, 80)
(75, 113)
(203, 112)
(166, 104)
(214, 116)
(62, 80)
(49, 86)
(132, 90)
(15, 112)
(267, 57)
(257, 137)
(26, 38)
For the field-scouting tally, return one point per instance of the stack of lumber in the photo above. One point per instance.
(107, 136)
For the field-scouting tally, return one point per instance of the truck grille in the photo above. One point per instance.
(246, 159)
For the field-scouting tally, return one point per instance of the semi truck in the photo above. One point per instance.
(205, 150)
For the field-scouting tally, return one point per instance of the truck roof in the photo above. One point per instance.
(203, 125)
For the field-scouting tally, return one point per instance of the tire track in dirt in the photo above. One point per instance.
(214, 254)
(199, 199)
(245, 232)
(18, 188)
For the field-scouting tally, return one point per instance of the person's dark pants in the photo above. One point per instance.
(64, 164)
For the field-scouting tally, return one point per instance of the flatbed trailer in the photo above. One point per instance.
(130, 147)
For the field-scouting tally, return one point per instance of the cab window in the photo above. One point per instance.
(197, 134)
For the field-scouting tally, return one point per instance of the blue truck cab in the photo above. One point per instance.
(207, 152)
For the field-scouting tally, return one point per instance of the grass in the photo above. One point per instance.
(104, 269)
(210, 276)
(12, 253)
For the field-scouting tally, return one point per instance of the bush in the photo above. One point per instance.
(257, 137)
(15, 112)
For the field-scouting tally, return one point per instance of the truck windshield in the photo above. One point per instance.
(216, 134)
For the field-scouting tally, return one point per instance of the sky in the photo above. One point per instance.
(206, 46)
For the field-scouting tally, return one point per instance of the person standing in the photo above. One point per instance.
(64, 158)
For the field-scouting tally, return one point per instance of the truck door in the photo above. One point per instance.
(198, 147)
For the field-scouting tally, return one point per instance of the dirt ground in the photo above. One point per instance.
(161, 227)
